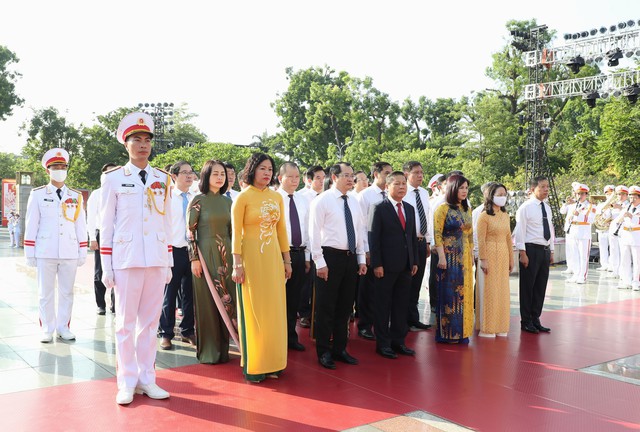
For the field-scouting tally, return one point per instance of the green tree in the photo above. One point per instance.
(314, 113)
(48, 129)
(200, 153)
(9, 164)
(8, 78)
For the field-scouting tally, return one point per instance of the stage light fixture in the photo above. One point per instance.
(567, 36)
(575, 36)
(603, 30)
(631, 23)
(613, 57)
(584, 34)
(613, 28)
(590, 97)
(629, 54)
(593, 32)
(622, 25)
(632, 92)
(575, 64)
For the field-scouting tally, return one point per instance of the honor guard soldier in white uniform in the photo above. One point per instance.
(55, 241)
(581, 219)
(629, 221)
(136, 256)
(622, 202)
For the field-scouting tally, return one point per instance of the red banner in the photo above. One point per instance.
(9, 198)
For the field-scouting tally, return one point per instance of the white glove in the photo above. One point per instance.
(32, 262)
(108, 278)
(81, 261)
(169, 276)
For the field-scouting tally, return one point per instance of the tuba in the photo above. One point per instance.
(601, 222)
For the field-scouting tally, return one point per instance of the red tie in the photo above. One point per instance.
(401, 215)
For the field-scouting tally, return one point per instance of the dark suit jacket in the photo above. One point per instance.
(390, 246)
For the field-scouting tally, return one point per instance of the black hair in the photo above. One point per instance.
(108, 166)
(377, 167)
(534, 181)
(205, 176)
(336, 169)
(176, 167)
(488, 201)
(229, 165)
(311, 172)
(249, 171)
(453, 186)
(408, 166)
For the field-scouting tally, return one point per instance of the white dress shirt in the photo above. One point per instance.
(529, 228)
(309, 194)
(232, 194)
(327, 226)
(366, 198)
(93, 213)
(424, 198)
(475, 214)
(178, 221)
(437, 202)
(302, 206)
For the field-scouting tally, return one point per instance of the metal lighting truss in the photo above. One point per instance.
(591, 49)
(536, 159)
(612, 83)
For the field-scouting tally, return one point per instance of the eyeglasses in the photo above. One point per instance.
(187, 173)
(347, 176)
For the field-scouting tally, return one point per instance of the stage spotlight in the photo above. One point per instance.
(631, 23)
(575, 36)
(593, 32)
(632, 92)
(575, 64)
(613, 56)
(584, 34)
(590, 97)
(629, 54)
(603, 30)
(140, 105)
(567, 36)
(622, 25)
(613, 28)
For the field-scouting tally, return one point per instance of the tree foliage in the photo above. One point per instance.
(8, 77)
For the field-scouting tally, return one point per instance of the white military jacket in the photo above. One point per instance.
(581, 223)
(630, 232)
(55, 228)
(135, 219)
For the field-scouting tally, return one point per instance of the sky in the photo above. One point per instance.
(227, 60)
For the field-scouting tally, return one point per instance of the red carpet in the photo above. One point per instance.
(521, 383)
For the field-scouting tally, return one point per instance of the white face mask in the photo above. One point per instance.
(500, 201)
(58, 175)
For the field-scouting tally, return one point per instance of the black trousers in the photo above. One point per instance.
(416, 283)
(391, 294)
(98, 287)
(533, 283)
(181, 281)
(433, 285)
(334, 301)
(294, 292)
(304, 309)
(366, 300)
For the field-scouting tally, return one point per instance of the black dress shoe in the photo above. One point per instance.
(101, 311)
(296, 346)
(366, 334)
(529, 328)
(403, 349)
(542, 328)
(326, 361)
(419, 326)
(345, 357)
(387, 353)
